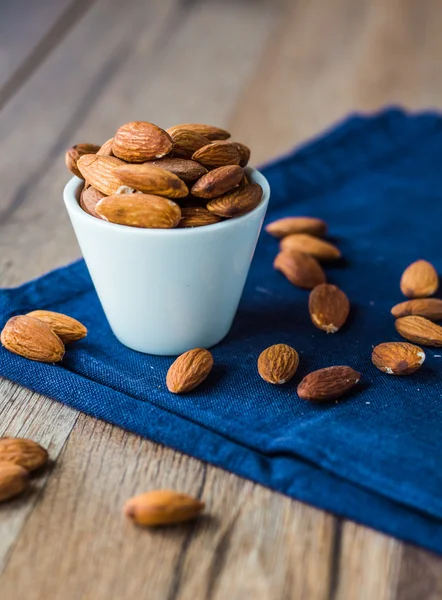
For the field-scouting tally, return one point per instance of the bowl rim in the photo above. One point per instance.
(71, 196)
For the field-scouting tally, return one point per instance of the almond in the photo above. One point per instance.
(430, 308)
(218, 182)
(419, 330)
(140, 210)
(100, 172)
(420, 279)
(398, 358)
(162, 507)
(140, 141)
(67, 328)
(89, 199)
(238, 202)
(208, 131)
(189, 370)
(277, 364)
(187, 170)
(244, 154)
(151, 179)
(74, 153)
(31, 338)
(197, 216)
(328, 307)
(328, 384)
(185, 142)
(13, 481)
(23, 452)
(304, 242)
(300, 269)
(289, 225)
(218, 154)
(106, 148)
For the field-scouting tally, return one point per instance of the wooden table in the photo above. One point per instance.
(274, 72)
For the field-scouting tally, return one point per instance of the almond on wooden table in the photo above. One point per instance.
(237, 202)
(13, 481)
(74, 153)
(419, 280)
(185, 142)
(189, 370)
(67, 328)
(288, 225)
(278, 363)
(328, 384)
(89, 199)
(23, 452)
(398, 358)
(197, 216)
(304, 242)
(218, 154)
(218, 182)
(32, 339)
(152, 179)
(187, 170)
(208, 131)
(99, 171)
(140, 210)
(162, 507)
(300, 269)
(139, 141)
(419, 330)
(329, 307)
(430, 308)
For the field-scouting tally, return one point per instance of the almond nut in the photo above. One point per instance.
(218, 154)
(328, 384)
(398, 358)
(89, 198)
(185, 142)
(67, 328)
(106, 148)
(13, 481)
(140, 141)
(420, 279)
(328, 307)
(189, 370)
(152, 179)
(277, 364)
(187, 170)
(304, 242)
(100, 172)
(208, 131)
(31, 338)
(419, 330)
(140, 210)
(430, 308)
(162, 507)
(23, 452)
(300, 269)
(74, 153)
(197, 216)
(244, 154)
(238, 202)
(218, 182)
(289, 225)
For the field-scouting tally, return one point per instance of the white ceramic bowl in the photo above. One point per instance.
(165, 291)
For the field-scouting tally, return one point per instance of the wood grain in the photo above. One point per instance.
(289, 69)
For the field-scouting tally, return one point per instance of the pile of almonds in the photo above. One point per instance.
(189, 175)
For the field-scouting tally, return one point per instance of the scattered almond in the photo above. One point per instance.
(419, 330)
(197, 216)
(189, 371)
(100, 172)
(140, 210)
(289, 225)
(140, 141)
(185, 142)
(89, 199)
(420, 279)
(329, 307)
(13, 481)
(67, 328)
(398, 358)
(152, 179)
(74, 153)
(208, 131)
(304, 242)
(187, 170)
(300, 269)
(430, 308)
(328, 384)
(238, 202)
(277, 364)
(31, 338)
(218, 154)
(162, 507)
(218, 182)
(23, 452)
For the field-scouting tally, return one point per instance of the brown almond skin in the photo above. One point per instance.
(329, 307)
(32, 339)
(238, 202)
(74, 153)
(328, 384)
(430, 308)
(106, 148)
(185, 142)
(277, 364)
(187, 170)
(68, 329)
(208, 131)
(13, 481)
(139, 141)
(419, 280)
(23, 452)
(217, 154)
(189, 371)
(89, 199)
(151, 179)
(218, 182)
(140, 210)
(162, 507)
(419, 330)
(197, 216)
(99, 171)
(397, 358)
(288, 225)
(244, 154)
(300, 269)
(303, 242)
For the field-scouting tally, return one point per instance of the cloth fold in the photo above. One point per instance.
(373, 457)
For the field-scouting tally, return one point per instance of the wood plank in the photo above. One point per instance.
(420, 575)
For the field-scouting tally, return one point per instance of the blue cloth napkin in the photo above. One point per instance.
(375, 456)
